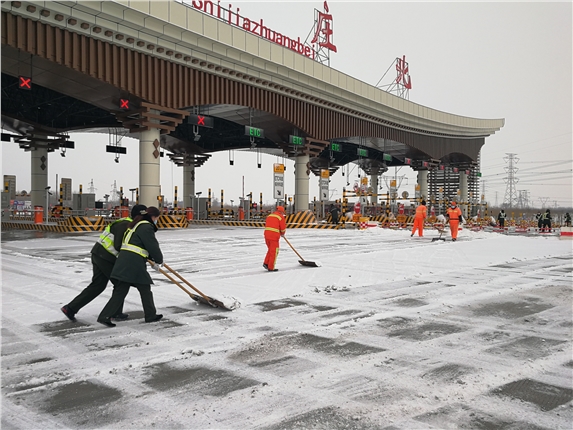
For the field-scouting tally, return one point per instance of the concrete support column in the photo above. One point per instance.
(188, 185)
(301, 183)
(149, 168)
(374, 185)
(39, 179)
(423, 182)
(464, 193)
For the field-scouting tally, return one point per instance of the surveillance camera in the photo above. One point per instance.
(117, 160)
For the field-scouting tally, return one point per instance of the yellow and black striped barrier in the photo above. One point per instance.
(82, 223)
(74, 224)
(15, 225)
(172, 221)
(304, 217)
(71, 224)
(261, 224)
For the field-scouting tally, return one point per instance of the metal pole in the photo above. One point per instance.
(47, 203)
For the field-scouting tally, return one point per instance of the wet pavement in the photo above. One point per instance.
(488, 351)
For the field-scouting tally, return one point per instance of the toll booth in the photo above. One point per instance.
(83, 204)
(244, 203)
(200, 209)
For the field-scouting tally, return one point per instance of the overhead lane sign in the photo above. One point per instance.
(296, 140)
(201, 120)
(254, 132)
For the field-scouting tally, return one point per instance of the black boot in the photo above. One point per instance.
(154, 319)
(107, 322)
(120, 317)
(69, 313)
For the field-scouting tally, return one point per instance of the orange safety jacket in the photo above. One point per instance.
(275, 226)
(454, 214)
(421, 212)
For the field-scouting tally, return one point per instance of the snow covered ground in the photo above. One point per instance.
(391, 332)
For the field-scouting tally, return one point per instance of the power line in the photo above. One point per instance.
(551, 163)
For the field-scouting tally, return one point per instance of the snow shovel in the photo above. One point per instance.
(441, 229)
(201, 298)
(302, 260)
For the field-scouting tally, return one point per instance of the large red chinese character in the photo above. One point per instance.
(403, 72)
(325, 18)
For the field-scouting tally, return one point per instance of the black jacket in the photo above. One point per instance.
(131, 267)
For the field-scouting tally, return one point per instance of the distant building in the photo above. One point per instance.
(10, 185)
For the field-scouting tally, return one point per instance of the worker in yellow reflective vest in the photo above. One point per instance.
(103, 255)
(139, 245)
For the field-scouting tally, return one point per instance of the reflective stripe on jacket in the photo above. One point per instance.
(106, 239)
(454, 213)
(126, 246)
(275, 225)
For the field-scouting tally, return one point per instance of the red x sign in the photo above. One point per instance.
(200, 120)
(124, 104)
(24, 83)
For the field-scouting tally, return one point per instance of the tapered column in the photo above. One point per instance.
(374, 185)
(149, 168)
(423, 182)
(188, 184)
(39, 171)
(464, 192)
(301, 184)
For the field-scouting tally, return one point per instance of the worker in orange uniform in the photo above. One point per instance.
(454, 215)
(419, 219)
(275, 228)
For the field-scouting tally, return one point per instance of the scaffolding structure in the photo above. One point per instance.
(444, 187)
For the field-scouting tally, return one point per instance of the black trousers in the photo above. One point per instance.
(101, 272)
(120, 290)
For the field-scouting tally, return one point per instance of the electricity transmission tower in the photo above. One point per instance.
(510, 199)
(523, 200)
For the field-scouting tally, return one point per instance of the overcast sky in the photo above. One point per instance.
(487, 60)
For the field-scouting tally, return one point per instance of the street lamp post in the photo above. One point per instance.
(132, 191)
(48, 194)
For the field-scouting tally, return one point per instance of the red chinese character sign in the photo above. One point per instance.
(323, 30)
(322, 40)
(403, 74)
(402, 84)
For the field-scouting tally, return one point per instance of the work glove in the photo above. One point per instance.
(157, 266)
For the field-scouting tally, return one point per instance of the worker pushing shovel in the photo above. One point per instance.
(275, 228)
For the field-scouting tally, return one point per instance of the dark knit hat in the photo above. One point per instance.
(137, 210)
(153, 211)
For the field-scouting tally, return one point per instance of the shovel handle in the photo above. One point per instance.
(187, 282)
(168, 276)
(292, 247)
(171, 279)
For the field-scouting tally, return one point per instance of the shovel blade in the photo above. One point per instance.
(308, 263)
(211, 302)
